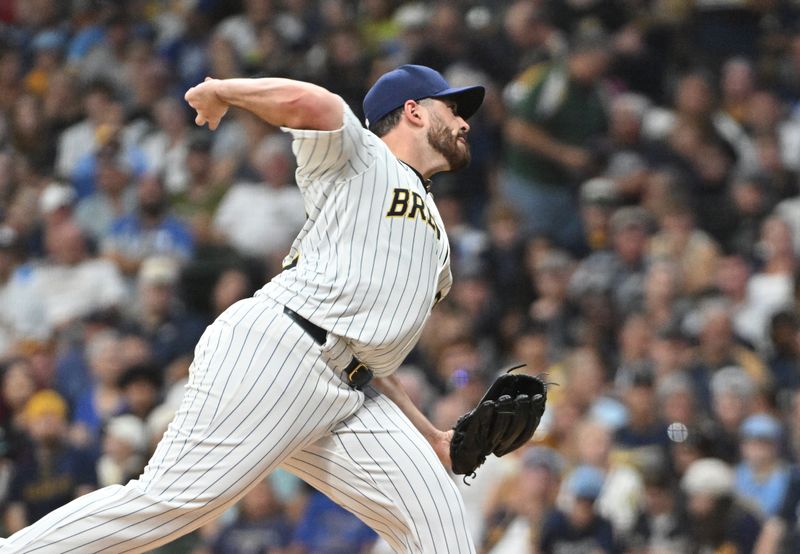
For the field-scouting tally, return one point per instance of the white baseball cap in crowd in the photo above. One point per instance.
(56, 195)
(708, 476)
(159, 270)
(129, 429)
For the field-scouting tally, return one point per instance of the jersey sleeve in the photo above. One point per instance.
(332, 155)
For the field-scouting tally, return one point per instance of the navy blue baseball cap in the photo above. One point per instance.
(415, 82)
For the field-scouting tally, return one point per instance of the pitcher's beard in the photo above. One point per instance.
(446, 143)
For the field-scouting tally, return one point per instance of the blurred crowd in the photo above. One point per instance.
(629, 226)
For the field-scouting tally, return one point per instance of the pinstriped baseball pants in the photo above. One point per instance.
(262, 394)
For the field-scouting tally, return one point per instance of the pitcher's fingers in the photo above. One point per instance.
(199, 120)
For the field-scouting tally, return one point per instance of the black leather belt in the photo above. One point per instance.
(358, 374)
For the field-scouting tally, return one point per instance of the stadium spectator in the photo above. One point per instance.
(644, 435)
(530, 347)
(598, 197)
(100, 106)
(663, 301)
(619, 271)
(196, 205)
(733, 397)
(555, 109)
(242, 29)
(716, 520)
(624, 150)
(16, 389)
(261, 218)
(123, 450)
(166, 148)
(762, 477)
(345, 64)
(578, 526)
(621, 489)
(553, 307)
(522, 502)
(692, 249)
(111, 142)
(633, 350)
(717, 348)
(51, 472)
(232, 285)
(148, 231)
(261, 525)
(70, 285)
(468, 243)
(56, 204)
(670, 351)
(103, 399)
(677, 401)
(326, 527)
(583, 378)
(661, 525)
(504, 255)
(141, 388)
(113, 195)
(27, 124)
(751, 202)
(737, 87)
(159, 318)
(12, 301)
(529, 37)
(784, 358)
(770, 289)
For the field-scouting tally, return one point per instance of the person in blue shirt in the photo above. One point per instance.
(149, 231)
(327, 528)
(762, 477)
(261, 525)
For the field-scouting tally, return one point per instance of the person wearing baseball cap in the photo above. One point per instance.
(762, 477)
(718, 520)
(281, 371)
(51, 472)
(416, 82)
(522, 501)
(578, 526)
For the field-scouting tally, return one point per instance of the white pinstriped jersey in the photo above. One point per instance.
(372, 258)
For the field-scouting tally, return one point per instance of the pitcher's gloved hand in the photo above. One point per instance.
(504, 419)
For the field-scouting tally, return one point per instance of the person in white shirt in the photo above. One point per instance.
(261, 219)
(71, 284)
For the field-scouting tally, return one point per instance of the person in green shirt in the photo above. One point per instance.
(197, 204)
(556, 109)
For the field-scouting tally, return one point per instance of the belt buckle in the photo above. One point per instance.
(359, 375)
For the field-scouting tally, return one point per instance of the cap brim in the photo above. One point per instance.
(468, 99)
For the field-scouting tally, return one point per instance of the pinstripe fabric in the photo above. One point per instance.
(369, 278)
(262, 393)
(378, 466)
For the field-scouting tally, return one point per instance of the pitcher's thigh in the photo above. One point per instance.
(378, 466)
(257, 392)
